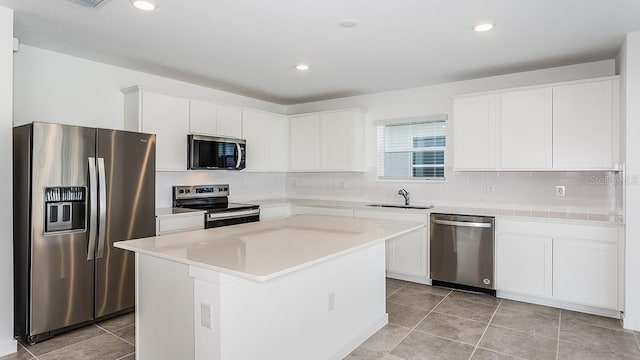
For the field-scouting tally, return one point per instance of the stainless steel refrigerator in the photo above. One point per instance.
(77, 191)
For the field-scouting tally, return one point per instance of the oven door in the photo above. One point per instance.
(231, 218)
(213, 153)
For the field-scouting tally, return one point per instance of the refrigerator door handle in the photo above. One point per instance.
(93, 214)
(102, 204)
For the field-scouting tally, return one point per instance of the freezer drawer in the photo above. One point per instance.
(462, 250)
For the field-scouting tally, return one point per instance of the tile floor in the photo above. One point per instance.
(424, 323)
(112, 339)
(433, 323)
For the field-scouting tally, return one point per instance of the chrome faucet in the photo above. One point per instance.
(405, 195)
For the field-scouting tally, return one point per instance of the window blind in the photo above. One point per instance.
(412, 150)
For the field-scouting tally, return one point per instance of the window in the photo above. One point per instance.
(412, 150)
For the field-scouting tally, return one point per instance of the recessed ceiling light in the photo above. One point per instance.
(302, 67)
(483, 27)
(348, 23)
(146, 5)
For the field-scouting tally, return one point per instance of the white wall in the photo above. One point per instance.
(7, 344)
(629, 65)
(533, 191)
(54, 87)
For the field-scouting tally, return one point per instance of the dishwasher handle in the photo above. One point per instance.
(462, 223)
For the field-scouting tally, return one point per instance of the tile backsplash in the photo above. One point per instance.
(586, 192)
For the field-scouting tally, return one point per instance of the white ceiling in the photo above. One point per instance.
(250, 47)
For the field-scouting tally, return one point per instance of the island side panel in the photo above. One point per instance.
(164, 309)
(289, 317)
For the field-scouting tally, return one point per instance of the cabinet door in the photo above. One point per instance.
(586, 272)
(583, 117)
(524, 264)
(277, 144)
(168, 118)
(304, 154)
(256, 135)
(525, 129)
(407, 254)
(229, 122)
(202, 118)
(337, 141)
(474, 126)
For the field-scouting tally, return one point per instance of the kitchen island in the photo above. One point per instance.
(305, 287)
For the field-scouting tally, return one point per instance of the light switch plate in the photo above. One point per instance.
(205, 315)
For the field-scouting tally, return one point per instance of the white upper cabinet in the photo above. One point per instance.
(267, 138)
(215, 120)
(163, 115)
(342, 141)
(583, 125)
(525, 129)
(474, 130)
(203, 118)
(229, 122)
(328, 141)
(304, 143)
(568, 126)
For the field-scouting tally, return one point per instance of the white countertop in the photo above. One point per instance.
(265, 250)
(529, 214)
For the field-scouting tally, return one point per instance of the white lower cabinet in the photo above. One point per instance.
(407, 255)
(524, 264)
(586, 272)
(179, 222)
(570, 263)
(275, 211)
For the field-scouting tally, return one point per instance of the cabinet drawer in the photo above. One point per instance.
(180, 223)
(317, 210)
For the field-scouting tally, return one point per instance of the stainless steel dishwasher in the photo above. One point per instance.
(461, 251)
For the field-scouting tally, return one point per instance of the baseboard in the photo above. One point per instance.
(352, 344)
(8, 347)
(560, 304)
(412, 278)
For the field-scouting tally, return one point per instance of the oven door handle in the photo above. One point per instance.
(233, 215)
(462, 223)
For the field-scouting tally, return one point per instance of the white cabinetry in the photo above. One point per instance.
(168, 224)
(407, 255)
(328, 141)
(207, 118)
(163, 115)
(583, 125)
(525, 129)
(570, 263)
(566, 126)
(267, 138)
(474, 130)
(275, 211)
(304, 143)
(524, 264)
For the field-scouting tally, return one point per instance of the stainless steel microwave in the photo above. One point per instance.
(215, 153)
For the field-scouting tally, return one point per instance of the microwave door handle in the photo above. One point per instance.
(239, 155)
(93, 211)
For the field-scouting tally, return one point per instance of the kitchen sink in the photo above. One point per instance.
(401, 206)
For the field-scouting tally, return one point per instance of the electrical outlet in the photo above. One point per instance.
(491, 189)
(205, 315)
(345, 185)
(331, 301)
(561, 190)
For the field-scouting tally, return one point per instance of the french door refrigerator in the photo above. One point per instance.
(77, 191)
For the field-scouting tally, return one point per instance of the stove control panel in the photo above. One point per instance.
(200, 191)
